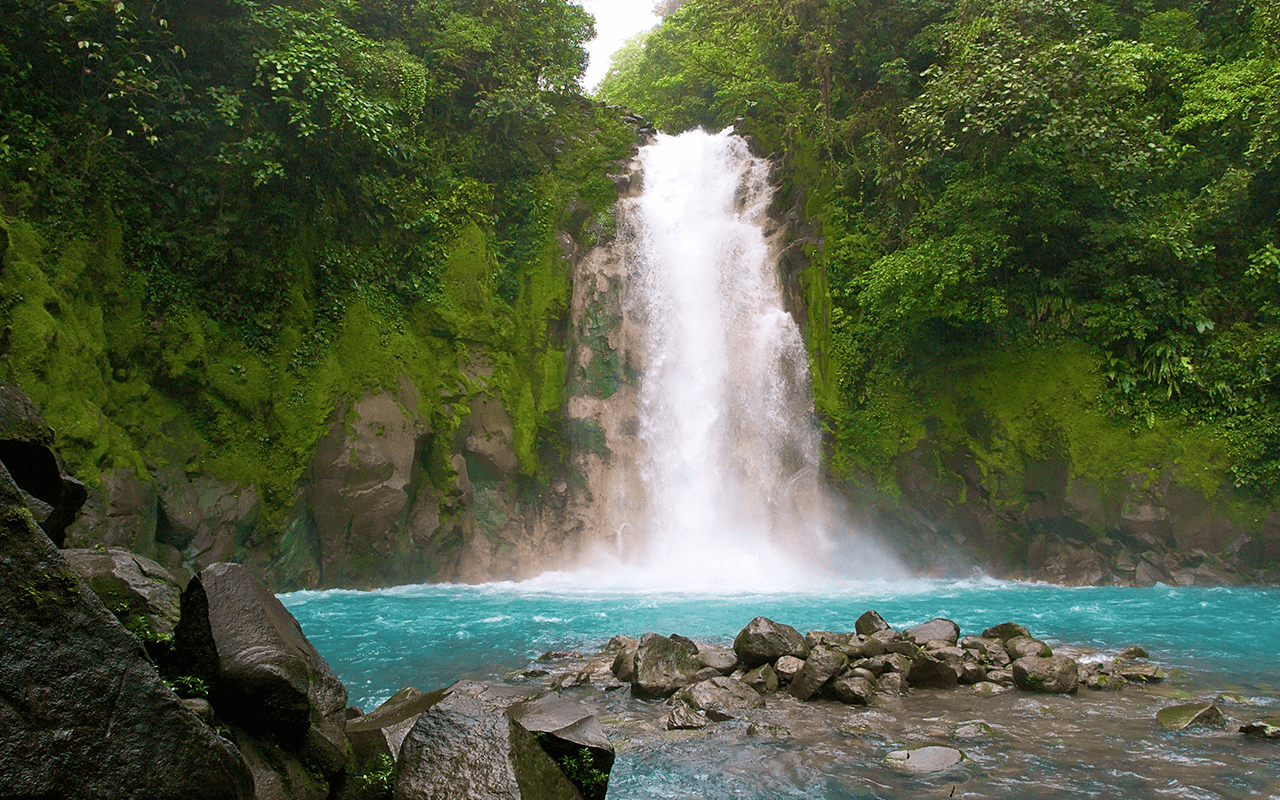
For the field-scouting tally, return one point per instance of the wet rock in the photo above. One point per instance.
(1263, 728)
(1191, 715)
(990, 687)
(1001, 677)
(971, 673)
(662, 666)
(26, 442)
(141, 593)
(937, 628)
(890, 662)
(1053, 675)
(1132, 653)
(572, 736)
(891, 683)
(814, 639)
(721, 659)
(466, 747)
(1023, 646)
(684, 718)
(924, 759)
(821, 665)
(278, 774)
(83, 714)
(1005, 631)
(902, 647)
(719, 696)
(787, 667)
(764, 641)
(1092, 676)
(384, 728)
(1139, 673)
(262, 672)
(768, 730)
(987, 651)
(624, 663)
(869, 623)
(974, 731)
(930, 672)
(763, 679)
(869, 647)
(853, 690)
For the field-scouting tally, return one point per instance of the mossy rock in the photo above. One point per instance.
(1191, 715)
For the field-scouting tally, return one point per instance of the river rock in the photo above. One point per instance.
(722, 659)
(936, 628)
(262, 672)
(83, 714)
(869, 647)
(662, 666)
(764, 641)
(869, 623)
(684, 718)
(1262, 728)
(787, 667)
(718, 696)
(1139, 673)
(814, 639)
(1001, 677)
(624, 663)
(1023, 646)
(891, 683)
(821, 665)
(1005, 631)
(924, 759)
(987, 651)
(1053, 675)
(890, 662)
(853, 690)
(466, 748)
(143, 595)
(763, 679)
(930, 672)
(1191, 715)
(384, 728)
(1132, 653)
(573, 737)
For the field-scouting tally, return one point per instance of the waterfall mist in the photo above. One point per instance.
(729, 456)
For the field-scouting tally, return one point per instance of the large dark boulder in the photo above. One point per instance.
(466, 747)
(384, 728)
(574, 739)
(821, 666)
(1005, 631)
(83, 713)
(26, 442)
(870, 622)
(662, 666)
(262, 672)
(764, 641)
(1053, 675)
(928, 671)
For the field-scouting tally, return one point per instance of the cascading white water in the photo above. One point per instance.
(730, 450)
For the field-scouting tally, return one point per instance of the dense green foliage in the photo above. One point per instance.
(218, 217)
(1002, 175)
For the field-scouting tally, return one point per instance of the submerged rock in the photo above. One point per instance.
(1191, 715)
(1265, 729)
(924, 759)
(684, 718)
(1140, 673)
(764, 641)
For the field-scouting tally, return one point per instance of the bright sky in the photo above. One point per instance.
(616, 21)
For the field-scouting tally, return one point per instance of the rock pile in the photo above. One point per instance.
(709, 684)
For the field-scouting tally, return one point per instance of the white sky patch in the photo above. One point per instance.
(616, 21)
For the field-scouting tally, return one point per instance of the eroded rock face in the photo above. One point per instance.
(82, 711)
(262, 672)
(141, 593)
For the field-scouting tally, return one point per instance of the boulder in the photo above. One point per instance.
(1191, 715)
(83, 713)
(684, 718)
(821, 666)
(787, 667)
(262, 672)
(384, 728)
(890, 662)
(574, 739)
(813, 639)
(763, 679)
(662, 666)
(719, 696)
(853, 690)
(1052, 675)
(869, 623)
(930, 672)
(891, 683)
(26, 442)
(923, 759)
(1005, 631)
(1145, 672)
(936, 628)
(722, 659)
(624, 663)
(279, 774)
(1022, 646)
(466, 747)
(764, 641)
(1262, 728)
(143, 595)
(987, 651)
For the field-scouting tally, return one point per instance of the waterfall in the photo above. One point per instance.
(729, 452)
